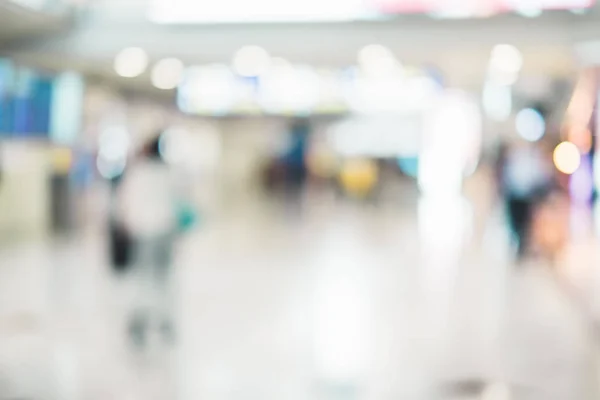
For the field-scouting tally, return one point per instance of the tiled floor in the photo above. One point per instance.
(332, 300)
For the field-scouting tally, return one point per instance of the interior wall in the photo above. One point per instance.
(24, 190)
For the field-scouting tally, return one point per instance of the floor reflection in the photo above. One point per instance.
(346, 302)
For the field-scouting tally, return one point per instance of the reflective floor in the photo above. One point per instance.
(328, 299)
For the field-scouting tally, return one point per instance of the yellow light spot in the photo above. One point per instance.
(567, 158)
(359, 177)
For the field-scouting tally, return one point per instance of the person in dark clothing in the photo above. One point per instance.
(295, 158)
(519, 219)
(525, 173)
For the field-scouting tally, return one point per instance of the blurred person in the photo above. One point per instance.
(525, 172)
(152, 212)
(120, 241)
(550, 334)
(543, 348)
(289, 171)
(295, 158)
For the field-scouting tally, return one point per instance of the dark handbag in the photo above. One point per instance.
(121, 246)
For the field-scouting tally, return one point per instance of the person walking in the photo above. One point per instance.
(148, 208)
(525, 174)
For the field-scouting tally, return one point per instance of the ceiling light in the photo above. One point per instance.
(377, 60)
(167, 73)
(208, 89)
(289, 89)
(131, 62)
(506, 59)
(251, 61)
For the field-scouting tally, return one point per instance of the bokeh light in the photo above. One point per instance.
(289, 89)
(530, 124)
(167, 73)
(114, 143)
(445, 159)
(567, 158)
(110, 169)
(131, 62)
(251, 61)
(359, 176)
(379, 136)
(376, 60)
(208, 90)
(506, 58)
(505, 64)
(497, 101)
(113, 148)
(194, 149)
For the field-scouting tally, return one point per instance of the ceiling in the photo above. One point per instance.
(18, 23)
(89, 40)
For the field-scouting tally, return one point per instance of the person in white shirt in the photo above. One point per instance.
(147, 200)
